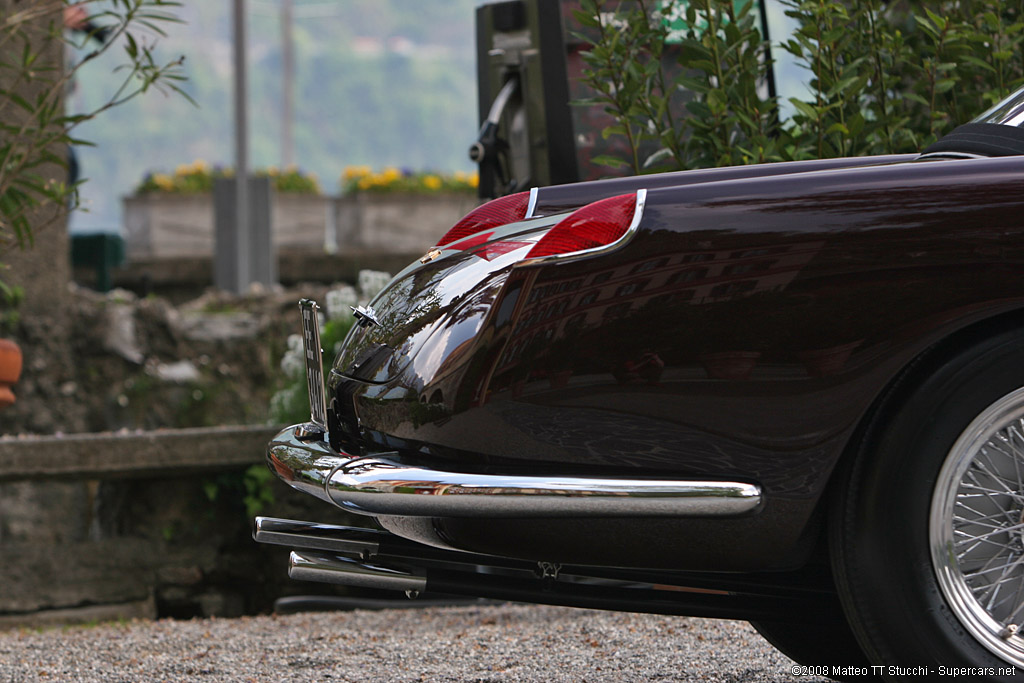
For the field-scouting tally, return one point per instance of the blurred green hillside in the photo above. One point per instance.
(377, 82)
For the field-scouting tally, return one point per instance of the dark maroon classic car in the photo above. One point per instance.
(790, 393)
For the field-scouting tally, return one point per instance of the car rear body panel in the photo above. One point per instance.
(741, 335)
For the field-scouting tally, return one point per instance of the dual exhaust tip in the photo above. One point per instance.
(312, 565)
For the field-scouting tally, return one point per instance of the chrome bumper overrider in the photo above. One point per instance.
(381, 484)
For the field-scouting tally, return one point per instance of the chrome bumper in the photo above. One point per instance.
(381, 484)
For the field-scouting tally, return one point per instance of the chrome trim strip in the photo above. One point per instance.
(382, 485)
(950, 155)
(315, 536)
(532, 205)
(641, 201)
(328, 568)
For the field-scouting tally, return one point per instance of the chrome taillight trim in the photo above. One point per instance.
(531, 206)
(641, 201)
(382, 484)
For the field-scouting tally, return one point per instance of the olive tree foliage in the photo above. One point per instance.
(883, 77)
(35, 130)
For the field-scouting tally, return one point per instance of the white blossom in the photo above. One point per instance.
(371, 282)
(340, 302)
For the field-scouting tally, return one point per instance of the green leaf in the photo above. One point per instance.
(808, 110)
(608, 160)
(18, 100)
(716, 99)
(658, 157)
(939, 22)
(617, 129)
(131, 47)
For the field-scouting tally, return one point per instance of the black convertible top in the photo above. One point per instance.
(985, 139)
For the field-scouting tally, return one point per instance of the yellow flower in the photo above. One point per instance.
(461, 176)
(364, 183)
(353, 172)
(474, 180)
(432, 182)
(163, 181)
(182, 169)
(200, 166)
(272, 171)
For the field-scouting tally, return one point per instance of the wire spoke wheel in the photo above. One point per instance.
(976, 528)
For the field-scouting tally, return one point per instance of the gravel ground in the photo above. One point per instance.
(479, 643)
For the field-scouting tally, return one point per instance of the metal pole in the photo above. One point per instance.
(287, 80)
(241, 148)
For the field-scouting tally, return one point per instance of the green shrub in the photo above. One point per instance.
(883, 77)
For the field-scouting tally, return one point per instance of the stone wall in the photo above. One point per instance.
(142, 518)
(123, 535)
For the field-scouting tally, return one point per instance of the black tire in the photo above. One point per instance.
(815, 644)
(883, 529)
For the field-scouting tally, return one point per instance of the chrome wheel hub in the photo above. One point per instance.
(976, 528)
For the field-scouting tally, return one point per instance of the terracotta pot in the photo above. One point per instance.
(10, 370)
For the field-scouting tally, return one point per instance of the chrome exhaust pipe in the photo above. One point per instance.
(316, 536)
(329, 568)
(391, 563)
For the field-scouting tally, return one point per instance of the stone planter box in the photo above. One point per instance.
(174, 226)
(168, 225)
(397, 223)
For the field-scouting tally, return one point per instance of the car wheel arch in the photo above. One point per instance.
(935, 377)
(921, 366)
(900, 385)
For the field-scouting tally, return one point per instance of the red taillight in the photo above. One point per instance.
(500, 211)
(595, 225)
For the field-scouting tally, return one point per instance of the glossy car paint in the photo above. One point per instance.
(560, 198)
(742, 334)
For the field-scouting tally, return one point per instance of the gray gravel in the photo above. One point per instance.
(479, 643)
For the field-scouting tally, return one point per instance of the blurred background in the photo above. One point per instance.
(374, 83)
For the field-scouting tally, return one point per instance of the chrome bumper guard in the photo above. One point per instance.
(382, 484)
